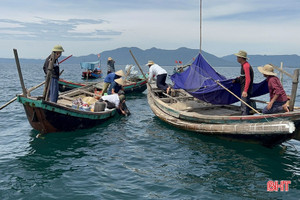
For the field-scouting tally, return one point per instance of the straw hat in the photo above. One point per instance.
(242, 54)
(58, 48)
(120, 81)
(268, 69)
(150, 62)
(109, 58)
(120, 73)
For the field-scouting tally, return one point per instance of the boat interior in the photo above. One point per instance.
(183, 101)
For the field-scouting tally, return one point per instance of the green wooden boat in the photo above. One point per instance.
(48, 117)
(138, 85)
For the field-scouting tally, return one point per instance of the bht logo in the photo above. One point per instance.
(274, 186)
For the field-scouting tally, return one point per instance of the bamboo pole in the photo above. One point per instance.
(237, 97)
(20, 72)
(48, 77)
(281, 74)
(294, 89)
(140, 68)
(286, 73)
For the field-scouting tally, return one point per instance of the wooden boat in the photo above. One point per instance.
(93, 70)
(183, 111)
(48, 117)
(137, 85)
(91, 74)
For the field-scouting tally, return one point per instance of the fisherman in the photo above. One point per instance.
(116, 86)
(245, 79)
(278, 97)
(110, 78)
(110, 65)
(117, 101)
(161, 75)
(53, 91)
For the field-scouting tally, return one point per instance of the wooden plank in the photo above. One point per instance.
(294, 89)
(20, 72)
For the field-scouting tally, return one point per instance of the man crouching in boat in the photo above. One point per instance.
(117, 101)
(278, 97)
(161, 75)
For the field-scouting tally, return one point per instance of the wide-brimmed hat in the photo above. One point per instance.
(120, 81)
(58, 48)
(268, 69)
(242, 54)
(120, 73)
(150, 62)
(109, 58)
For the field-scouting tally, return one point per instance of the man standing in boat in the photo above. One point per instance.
(53, 91)
(278, 97)
(110, 65)
(161, 75)
(245, 79)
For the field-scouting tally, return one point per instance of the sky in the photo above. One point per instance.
(264, 27)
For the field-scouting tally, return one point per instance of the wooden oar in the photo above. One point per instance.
(28, 92)
(237, 97)
(140, 68)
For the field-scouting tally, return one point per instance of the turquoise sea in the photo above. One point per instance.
(134, 157)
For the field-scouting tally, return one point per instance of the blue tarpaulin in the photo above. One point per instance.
(89, 65)
(200, 81)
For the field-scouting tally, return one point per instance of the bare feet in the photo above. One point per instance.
(168, 90)
(285, 108)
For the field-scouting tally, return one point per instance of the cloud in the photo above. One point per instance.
(47, 29)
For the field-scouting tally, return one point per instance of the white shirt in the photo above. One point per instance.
(155, 70)
(113, 98)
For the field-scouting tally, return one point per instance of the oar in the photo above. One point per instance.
(65, 59)
(139, 68)
(15, 98)
(28, 92)
(237, 97)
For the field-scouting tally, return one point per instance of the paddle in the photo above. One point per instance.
(139, 68)
(35, 87)
(237, 97)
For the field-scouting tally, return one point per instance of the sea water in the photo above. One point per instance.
(134, 157)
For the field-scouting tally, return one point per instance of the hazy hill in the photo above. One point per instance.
(259, 60)
(164, 57)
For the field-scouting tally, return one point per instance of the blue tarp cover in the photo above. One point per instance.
(89, 65)
(200, 81)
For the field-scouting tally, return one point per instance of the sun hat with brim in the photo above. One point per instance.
(120, 81)
(242, 54)
(268, 69)
(120, 73)
(58, 48)
(150, 62)
(109, 58)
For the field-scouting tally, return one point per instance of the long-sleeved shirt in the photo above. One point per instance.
(155, 70)
(55, 71)
(275, 87)
(246, 78)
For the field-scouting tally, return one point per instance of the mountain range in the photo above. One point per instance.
(163, 57)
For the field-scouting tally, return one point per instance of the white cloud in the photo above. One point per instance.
(260, 26)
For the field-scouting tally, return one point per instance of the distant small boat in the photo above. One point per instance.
(93, 70)
(137, 85)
